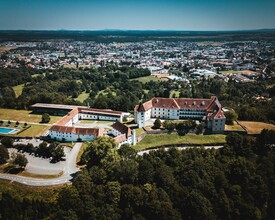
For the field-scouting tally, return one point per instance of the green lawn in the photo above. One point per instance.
(47, 194)
(18, 89)
(139, 131)
(146, 79)
(81, 151)
(177, 93)
(82, 97)
(153, 140)
(235, 127)
(23, 116)
(229, 72)
(34, 130)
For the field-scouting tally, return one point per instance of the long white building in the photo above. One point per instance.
(209, 111)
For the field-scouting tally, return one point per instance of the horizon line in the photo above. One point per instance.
(113, 29)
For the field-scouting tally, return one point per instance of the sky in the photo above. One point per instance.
(137, 14)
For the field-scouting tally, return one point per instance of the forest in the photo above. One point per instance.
(118, 88)
(234, 182)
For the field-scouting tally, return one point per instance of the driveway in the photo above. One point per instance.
(68, 167)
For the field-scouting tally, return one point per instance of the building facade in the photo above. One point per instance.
(208, 111)
(123, 134)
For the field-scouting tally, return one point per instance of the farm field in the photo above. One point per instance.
(153, 140)
(23, 116)
(254, 127)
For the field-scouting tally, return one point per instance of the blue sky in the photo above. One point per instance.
(137, 14)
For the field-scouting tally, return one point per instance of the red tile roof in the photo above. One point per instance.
(177, 103)
(122, 128)
(77, 130)
(212, 106)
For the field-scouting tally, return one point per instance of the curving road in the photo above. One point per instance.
(69, 169)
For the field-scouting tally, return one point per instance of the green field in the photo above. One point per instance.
(146, 79)
(47, 194)
(18, 89)
(235, 127)
(139, 131)
(82, 97)
(177, 93)
(229, 72)
(153, 140)
(34, 130)
(23, 116)
(254, 127)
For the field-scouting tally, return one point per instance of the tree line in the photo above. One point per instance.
(234, 182)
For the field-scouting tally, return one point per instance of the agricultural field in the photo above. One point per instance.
(254, 127)
(153, 140)
(23, 116)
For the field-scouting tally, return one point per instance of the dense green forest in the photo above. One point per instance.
(234, 182)
(115, 87)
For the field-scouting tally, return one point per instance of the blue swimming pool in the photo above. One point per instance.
(7, 130)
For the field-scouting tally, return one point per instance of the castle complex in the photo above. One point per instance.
(208, 111)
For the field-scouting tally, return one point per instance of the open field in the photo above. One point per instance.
(229, 72)
(5, 48)
(153, 140)
(146, 79)
(23, 116)
(82, 97)
(235, 127)
(177, 93)
(47, 194)
(139, 131)
(34, 130)
(18, 89)
(254, 127)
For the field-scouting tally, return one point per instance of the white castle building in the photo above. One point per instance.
(209, 111)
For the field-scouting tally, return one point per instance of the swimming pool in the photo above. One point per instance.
(7, 130)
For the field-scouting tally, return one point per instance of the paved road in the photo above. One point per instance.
(69, 169)
(179, 148)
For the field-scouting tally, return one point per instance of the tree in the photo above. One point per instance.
(231, 116)
(20, 160)
(169, 125)
(58, 152)
(4, 154)
(7, 141)
(45, 118)
(17, 123)
(157, 123)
